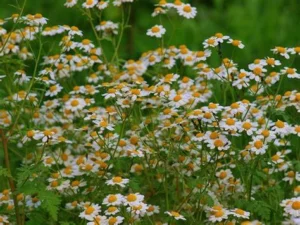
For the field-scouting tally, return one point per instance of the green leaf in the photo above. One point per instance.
(26, 172)
(35, 218)
(49, 200)
(4, 172)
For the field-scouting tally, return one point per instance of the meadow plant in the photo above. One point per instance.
(168, 138)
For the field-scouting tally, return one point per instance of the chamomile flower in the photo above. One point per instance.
(3, 220)
(158, 11)
(258, 146)
(236, 43)
(90, 212)
(272, 62)
(102, 4)
(98, 220)
(115, 220)
(152, 209)
(290, 72)
(187, 11)
(291, 206)
(53, 90)
(281, 128)
(218, 213)
(113, 200)
(133, 199)
(74, 31)
(239, 213)
(86, 45)
(89, 4)
(112, 210)
(221, 38)
(75, 104)
(156, 31)
(70, 3)
(282, 51)
(178, 99)
(224, 175)
(176, 215)
(210, 42)
(117, 181)
(291, 176)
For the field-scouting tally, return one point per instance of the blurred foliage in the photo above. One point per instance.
(260, 24)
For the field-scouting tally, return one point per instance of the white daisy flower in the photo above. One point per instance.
(89, 4)
(113, 200)
(117, 181)
(102, 5)
(175, 215)
(90, 212)
(70, 3)
(236, 43)
(156, 31)
(290, 72)
(187, 11)
(133, 199)
(75, 104)
(53, 90)
(240, 213)
(115, 220)
(282, 51)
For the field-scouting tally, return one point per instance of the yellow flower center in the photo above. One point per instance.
(279, 124)
(86, 41)
(117, 179)
(236, 42)
(270, 61)
(30, 133)
(187, 9)
(74, 103)
(258, 144)
(175, 214)
(210, 41)
(218, 143)
(131, 198)
(247, 125)
(89, 210)
(296, 205)
(177, 98)
(234, 105)
(281, 49)
(112, 209)
(112, 198)
(240, 212)
(291, 174)
(212, 106)
(155, 29)
(219, 213)
(290, 71)
(89, 2)
(257, 71)
(230, 121)
(275, 157)
(112, 220)
(223, 175)
(75, 183)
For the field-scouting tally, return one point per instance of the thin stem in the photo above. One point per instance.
(10, 179)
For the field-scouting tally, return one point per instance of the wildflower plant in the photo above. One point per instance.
(167, 138)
